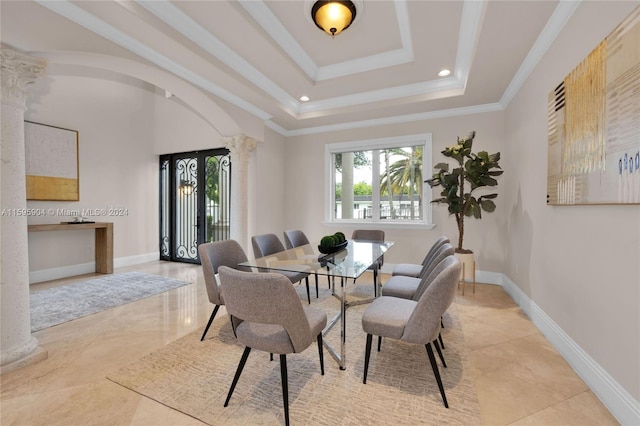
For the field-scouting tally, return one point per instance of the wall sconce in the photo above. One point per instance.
(186, 186)
(333, 16)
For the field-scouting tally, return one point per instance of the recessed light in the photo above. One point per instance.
(304, 98)
(443, 73)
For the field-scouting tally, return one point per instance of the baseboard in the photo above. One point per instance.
(618, 401)
(87, 268)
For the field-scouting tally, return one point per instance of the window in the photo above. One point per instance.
(379, 181)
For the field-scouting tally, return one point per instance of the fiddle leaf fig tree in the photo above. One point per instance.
(473, 171)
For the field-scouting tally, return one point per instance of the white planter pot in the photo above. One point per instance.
(468, 273)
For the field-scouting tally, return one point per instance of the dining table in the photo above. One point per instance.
(345, 265)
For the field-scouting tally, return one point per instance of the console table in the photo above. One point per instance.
(104, 240)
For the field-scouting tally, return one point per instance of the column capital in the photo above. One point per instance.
(240, 144)
(19, 71)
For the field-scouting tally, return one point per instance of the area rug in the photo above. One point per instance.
(193, 377)
(57, 305)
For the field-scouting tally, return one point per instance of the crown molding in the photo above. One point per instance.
(398, 119)
(554, 25)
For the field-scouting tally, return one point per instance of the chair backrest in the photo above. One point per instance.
(434, 249)
(266, 298)
(266, 244)
(437, 266)
(374, 235)
(295, 238)
(445, 250)
(424, 323)
(212, 256)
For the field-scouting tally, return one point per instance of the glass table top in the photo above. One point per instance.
(350, 262)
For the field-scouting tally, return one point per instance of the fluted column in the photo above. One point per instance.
(240, 147)
(17, 346)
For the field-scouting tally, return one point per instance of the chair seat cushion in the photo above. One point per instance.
(294, 277)
(407, 270)
(317, 320)
(401, 286)
(387, 316)
(268, 337)
(274, 338)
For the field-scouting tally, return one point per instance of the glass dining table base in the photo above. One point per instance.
(340, 357)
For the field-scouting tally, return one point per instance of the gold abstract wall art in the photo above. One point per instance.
(594, 124)
(51, 162)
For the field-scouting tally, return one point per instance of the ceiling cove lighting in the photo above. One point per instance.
(333, 16)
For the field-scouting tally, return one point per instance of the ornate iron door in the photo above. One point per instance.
(194, 202)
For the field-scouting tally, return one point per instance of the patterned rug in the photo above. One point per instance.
(57, 305)
(193, 377)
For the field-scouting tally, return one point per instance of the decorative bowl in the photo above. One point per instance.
(332, 249)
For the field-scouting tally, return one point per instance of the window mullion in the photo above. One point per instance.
(375, 184)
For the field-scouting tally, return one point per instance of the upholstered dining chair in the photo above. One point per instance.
(412, 288)
(267, 314)
(295, 238)
(414, 269)
(212, 256)
(374, 235)
(266, 244)
(413, 321)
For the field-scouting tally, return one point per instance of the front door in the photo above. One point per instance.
(194, 202)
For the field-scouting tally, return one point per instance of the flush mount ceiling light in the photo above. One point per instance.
(333, 16)
(445, 72)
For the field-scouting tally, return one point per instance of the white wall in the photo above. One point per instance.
(114, 117)
(270, 175)
(306, 179)
(579, 264)
(177, 128)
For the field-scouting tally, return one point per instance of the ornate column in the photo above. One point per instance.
(240, 147)
(18, 347)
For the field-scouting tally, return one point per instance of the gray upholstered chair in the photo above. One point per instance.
(414, 269)
(374, 235)
(295, 238)
(266, 314)
(212, 256)
(407, 287)
(266, 244)
(413, 321)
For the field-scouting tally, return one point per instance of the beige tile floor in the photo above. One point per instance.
(520, 379)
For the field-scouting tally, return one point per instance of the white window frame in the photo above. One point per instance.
(425, 140)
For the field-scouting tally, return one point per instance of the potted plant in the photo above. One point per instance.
(459, 184)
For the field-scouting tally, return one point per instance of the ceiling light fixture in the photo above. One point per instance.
(445, 72)
(333, 16)
(304, 98)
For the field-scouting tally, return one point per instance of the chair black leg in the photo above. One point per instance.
(243, 361)
(317, 296)
(441, 323)
(367, 355)
(436, 373)
(306, 281)
(321, 353)
(379, 342)
(285, 387)
(375, 282)
(440, 338)
(435, 343)
(270, 356)
(213, 315)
